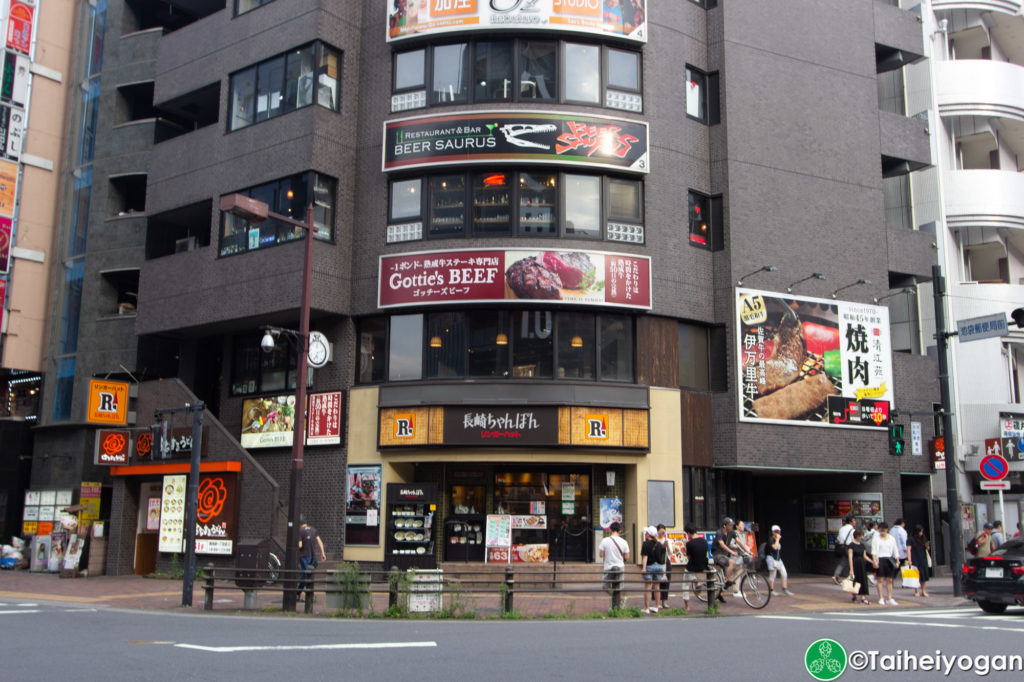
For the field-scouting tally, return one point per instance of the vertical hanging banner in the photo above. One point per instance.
(19, 25)
(14, 79)
(8, 187)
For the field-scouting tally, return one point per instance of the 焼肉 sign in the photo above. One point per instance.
(524, 137)
(577, 277)
(812, 361)
(625, 18)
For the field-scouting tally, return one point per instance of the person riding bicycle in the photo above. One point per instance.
(723, 554)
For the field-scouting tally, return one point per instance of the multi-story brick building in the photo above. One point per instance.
(556, 256)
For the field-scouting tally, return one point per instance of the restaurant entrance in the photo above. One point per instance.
(550, 509)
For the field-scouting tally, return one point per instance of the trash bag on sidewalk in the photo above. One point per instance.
(13, 555)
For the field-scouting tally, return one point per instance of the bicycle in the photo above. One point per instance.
(753, 586)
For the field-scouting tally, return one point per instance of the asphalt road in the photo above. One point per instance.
(59, 641)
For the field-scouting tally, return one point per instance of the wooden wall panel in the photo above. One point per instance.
(657, 354)
(696, 427)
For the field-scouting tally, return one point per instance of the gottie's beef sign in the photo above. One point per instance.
(502, 136)
(576, 277)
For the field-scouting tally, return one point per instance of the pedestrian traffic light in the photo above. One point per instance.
(896, 442)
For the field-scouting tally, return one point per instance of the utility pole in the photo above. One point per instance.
(956, 557)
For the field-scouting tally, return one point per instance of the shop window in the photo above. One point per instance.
(405, 348)
(451, 73)
(616, 341)
(582, 205)
(517, 70)
(243, 6)
(493, 76)
(594, 206)
(538, 204)
(288, 197)
(693, 357)
(254, 371)
(490, 344)
(487, 343)
(582, 73)
(372, 349)
(284, 83)
(576, 346)
(446, 345)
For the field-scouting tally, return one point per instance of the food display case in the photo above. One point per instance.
(410, 525)
(464, 539)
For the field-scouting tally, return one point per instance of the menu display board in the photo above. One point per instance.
(529, 522)
(482, 276)
(172, 514)
(816, 362)
(530, 554)
(498, 537)
(42, 508)
(626, 19)
(525, 137)
(823, 515)
(89, 496)
(677, 548)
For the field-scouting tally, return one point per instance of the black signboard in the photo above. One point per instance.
(500, 426)
(520, 137)
(412, 493)
(853, 412)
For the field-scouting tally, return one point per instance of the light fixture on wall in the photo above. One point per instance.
(435, 341)
(763, 268)
(904, 290)
(609, 477)
(576, 342)
(857, 283)
(813, 275)
(501, 339)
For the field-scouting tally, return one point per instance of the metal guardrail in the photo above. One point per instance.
(505, 585)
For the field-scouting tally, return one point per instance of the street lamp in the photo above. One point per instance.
(256, 211)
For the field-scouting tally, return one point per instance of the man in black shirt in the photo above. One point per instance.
(696, 562)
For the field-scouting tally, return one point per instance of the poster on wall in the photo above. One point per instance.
(172, 514)
(814, 362)
(19, 25)
(824, 513)
(534, 276)
(153, 514)
(8, 187)
(362, 503)
(269, 422)
(217, 514)
(611, 511)
(625, 19)
(488, 137)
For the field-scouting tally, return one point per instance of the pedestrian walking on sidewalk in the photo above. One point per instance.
(652, 565)
(886, 563)
(773, 559)
(842, 540)
(899, 531)
(859, 556)
(696, 563)
(311, 550)
(997, 535)
(614, 551)
(663, 539)
(920, 551)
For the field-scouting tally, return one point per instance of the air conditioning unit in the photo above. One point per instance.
(183, 245)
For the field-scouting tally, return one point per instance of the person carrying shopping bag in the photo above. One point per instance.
(886, 562)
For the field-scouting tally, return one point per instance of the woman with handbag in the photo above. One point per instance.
(920, 549)
(886, 562)
(858, 556)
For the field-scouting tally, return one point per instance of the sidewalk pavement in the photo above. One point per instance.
(812, 593)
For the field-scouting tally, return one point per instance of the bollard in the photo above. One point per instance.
(617, 575)
(310, 588)
(394, 576)
(208, 588)
(711, 585)
(510, 582)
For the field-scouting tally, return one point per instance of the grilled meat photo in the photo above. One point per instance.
(571, 268)
(527, 278)
(796, 399)
(783, 366)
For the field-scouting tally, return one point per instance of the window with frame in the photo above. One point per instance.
(702, 96)
(288, 197)
(497, 344)
(705, 222)
(284, 83)
(517, 70)
(500, 203)
(254, 371)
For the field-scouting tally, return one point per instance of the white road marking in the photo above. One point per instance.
(305, 647)
(21, 611)
(881, 621)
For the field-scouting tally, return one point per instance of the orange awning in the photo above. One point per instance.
(176, 468)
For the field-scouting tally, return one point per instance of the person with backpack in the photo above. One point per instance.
(771, 552)
(614, 551)
(652, 565)
(981, 544)
(696, 563)
(842, 540)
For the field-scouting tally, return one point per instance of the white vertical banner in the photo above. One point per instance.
(916, 439)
